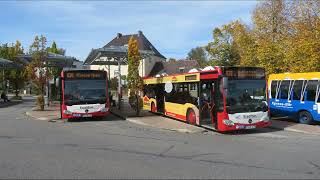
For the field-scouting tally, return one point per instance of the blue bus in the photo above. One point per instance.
(295, 95)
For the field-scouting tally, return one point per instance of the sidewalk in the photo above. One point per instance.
(126, 111)
(166, 123)
(295, 127)
(51, 113)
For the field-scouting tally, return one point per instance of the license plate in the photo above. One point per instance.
(77, 115)
(87, 115)
(250, 127)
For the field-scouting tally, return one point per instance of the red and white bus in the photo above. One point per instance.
(84, 93)
(220, 98)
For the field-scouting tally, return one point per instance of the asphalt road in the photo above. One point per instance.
(114, 148)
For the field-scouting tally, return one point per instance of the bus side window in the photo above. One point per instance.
(311, 90)
(284, 89)
(273, 88)
(297, 88)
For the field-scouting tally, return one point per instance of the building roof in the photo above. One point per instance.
(52, 59)
(143, 42)
(173, 67)
(4, 64)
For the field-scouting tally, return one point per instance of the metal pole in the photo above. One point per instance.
(119, 84)
(4, 83)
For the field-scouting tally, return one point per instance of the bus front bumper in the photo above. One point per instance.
(237, 126)
(83, 115)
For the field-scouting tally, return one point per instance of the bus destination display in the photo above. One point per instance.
(83, 75)
(245, 73)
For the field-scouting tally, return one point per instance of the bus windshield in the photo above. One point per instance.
(246, 96)
(82, 91)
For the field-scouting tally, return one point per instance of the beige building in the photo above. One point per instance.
(121, 41)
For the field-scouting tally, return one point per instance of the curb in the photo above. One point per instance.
(28, 114)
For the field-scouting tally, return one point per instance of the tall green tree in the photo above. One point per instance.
(15, 76)
(222, 50)
(270, 28)
(303, 52)
(54, 49)
(55, 71)
(135, 82)
(198, 54)
(37, 70)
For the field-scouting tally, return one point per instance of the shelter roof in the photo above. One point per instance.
(53, 60)
(4, 64)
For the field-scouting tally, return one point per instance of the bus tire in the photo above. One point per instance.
(191, 117)
(153, 107)
(304, 117)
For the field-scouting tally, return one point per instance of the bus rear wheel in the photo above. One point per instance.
(191, 117)
(304, 117)
(153, 108)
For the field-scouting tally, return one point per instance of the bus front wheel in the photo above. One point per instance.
(191, 117)
(304, 117)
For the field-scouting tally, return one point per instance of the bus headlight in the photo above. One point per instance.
(67, 112)
(104, 109)
(228, 122)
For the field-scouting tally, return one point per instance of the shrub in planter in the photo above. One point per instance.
(136, 103)
(40, 102)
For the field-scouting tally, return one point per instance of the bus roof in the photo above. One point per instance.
(295, 76)
(175, 78)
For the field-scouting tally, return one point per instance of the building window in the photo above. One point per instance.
(181, 70)
(116, 73)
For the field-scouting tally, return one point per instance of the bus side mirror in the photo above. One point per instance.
(225, 82)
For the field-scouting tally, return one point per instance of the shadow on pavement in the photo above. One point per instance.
(95, 119)
(252, 131)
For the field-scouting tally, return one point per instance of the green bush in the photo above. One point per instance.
(40, 102)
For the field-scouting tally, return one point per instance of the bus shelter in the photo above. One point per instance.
(7, 64)
(113, 56)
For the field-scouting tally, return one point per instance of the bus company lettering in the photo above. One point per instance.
(146, 101)
(249, 116)
(86, 107)
(285, 105)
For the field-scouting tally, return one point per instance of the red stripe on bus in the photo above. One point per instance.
(177, 116)
(208, 76)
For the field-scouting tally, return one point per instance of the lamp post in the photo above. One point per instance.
(119, 83)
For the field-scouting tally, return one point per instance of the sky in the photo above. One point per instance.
(173, 27)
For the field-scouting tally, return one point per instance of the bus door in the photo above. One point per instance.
(159, 92)
(207, 103)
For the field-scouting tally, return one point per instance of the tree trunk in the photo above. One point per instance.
(16, 89)
(137, 105)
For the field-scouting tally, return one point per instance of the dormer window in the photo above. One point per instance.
(181, 69)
